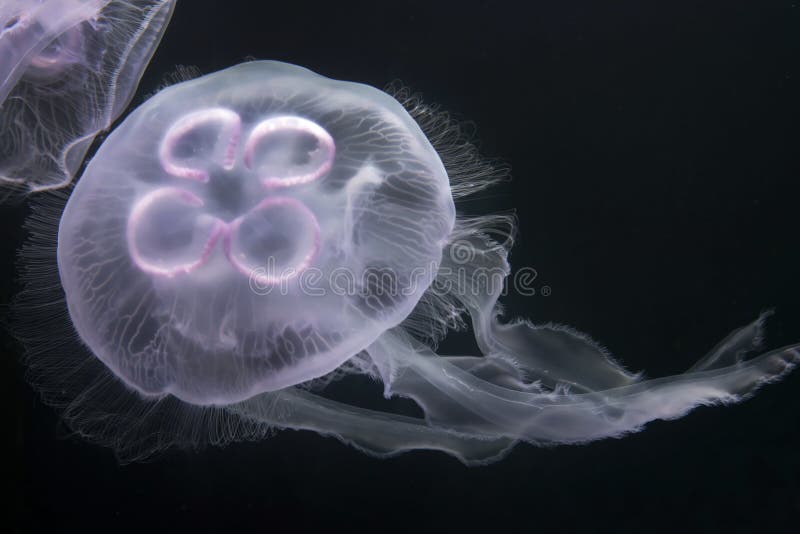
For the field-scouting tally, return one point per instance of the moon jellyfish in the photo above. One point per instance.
(68, 69)
(247, 243)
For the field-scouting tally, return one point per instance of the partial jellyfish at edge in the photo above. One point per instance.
(247, 241)
(68, 69)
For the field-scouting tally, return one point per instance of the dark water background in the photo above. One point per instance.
(656, 153)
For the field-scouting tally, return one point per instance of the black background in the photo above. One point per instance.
(654, 148)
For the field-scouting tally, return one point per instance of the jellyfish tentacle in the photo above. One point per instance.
(735, 347)
(230, 131)
(377, 433)
(539, 351)
(455, 398)
(550, 384)
(499, 371)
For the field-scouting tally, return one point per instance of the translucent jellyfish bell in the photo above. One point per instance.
(68, 68)
(245, 239)
(218, 197)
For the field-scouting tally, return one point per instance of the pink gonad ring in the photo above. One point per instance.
(279, 172)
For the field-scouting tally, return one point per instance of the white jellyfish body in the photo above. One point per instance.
(259, 198)
(248, 237)
(68, 69)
